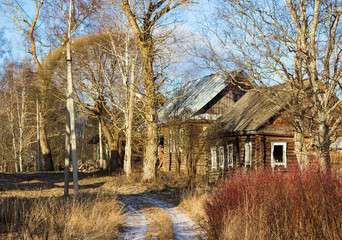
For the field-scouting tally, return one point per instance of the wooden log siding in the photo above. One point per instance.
(261, 154)
(223, 101)
(238, 155)
(173, 158)
(336, 158)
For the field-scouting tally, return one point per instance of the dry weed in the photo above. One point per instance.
(193, 203)
(91, 216)
(160, 224)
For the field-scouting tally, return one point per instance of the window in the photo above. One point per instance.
(181, 140)
(221, 157)
(248, 154)
(170, 141)
(213, 158)
(230, 156)
(236, 97)
(278, 154)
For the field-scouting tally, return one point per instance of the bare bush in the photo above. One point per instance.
(268, 205)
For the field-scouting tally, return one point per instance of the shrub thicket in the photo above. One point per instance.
(276, 205)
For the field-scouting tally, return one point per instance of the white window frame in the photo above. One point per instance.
(181, 140)
(230, 152)
(273, 162)
(213, 158)
(170, 141)
(250, 154)
(221, 157)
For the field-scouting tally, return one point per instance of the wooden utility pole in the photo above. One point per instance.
(67, 156)
(71, 128)
(100, 145)
(128, 147)
(39, 167)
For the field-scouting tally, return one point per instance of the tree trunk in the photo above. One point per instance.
(39, 165)
(114, 162)
(150, 112)
(151, 150)
(299, 143)
(47, 164)
(112, 139)
(323, 140)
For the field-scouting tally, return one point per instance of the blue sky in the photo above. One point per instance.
(190, 18)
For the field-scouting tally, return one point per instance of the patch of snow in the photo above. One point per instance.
(183, 227)
(136, 226)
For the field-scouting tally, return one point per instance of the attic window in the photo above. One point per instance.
(213, 158)
(278, 154)
(248, 154)
(221, 157)
(237, 96)
(230, 156)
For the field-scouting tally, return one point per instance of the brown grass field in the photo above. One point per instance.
(33, 207)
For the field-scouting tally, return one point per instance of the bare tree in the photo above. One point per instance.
(16, 84)
(124, 50)
(143, 18)
(296, 43)
(28, 25)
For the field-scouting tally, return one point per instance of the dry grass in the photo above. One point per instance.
(91, 216)
(193, 203)
(160, 224)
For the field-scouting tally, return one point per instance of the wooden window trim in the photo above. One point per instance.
(170, 141)
(250, 154)
(213, 158)
(221, 157)
(181, 140)
(230, 152)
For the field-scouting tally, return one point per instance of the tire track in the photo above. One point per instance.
(136, 226)
(183, 227)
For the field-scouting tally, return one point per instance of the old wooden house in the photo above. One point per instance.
(253, 133)
(192, 109)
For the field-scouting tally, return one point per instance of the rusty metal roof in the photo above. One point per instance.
(193, 96)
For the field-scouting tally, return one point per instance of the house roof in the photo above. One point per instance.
(194, 95)
(252, 111)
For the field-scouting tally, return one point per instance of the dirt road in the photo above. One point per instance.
(137, 226)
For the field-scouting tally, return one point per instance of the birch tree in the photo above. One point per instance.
(28, 16)
(296, 43)
(143, 18)
(16, 84)
(129, 71)
(106, 84)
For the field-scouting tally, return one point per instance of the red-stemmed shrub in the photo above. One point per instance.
(276, 205)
